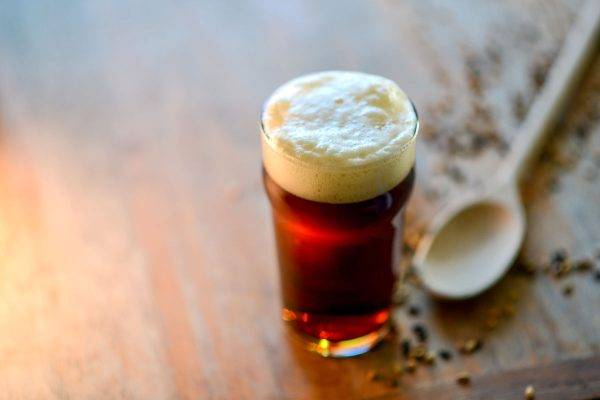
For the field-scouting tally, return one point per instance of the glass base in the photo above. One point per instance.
(338, 348)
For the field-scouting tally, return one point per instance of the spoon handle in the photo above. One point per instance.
(576, 53)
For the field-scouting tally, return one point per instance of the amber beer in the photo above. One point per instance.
(338, 224)
(337, 261)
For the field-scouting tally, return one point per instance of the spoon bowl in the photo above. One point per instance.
(471, 246)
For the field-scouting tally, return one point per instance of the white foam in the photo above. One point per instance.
(338, 137)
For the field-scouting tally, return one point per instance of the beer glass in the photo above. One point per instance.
(338, 224)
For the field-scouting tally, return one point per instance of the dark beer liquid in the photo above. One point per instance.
(338, 262)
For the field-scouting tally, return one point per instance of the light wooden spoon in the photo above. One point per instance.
(470, 245)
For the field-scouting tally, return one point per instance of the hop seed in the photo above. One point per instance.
(470, 346)
(568, 290)
(445, 355)
(414, 311)
(464, 378)
(559, 256)
(562, 269)
(419, 352)
(410, 366)
(420, 332)
(529, 393)
(584, 265)
(429, 358)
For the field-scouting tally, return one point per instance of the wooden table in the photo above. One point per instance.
(136, 253)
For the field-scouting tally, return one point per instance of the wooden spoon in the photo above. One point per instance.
(470, 245)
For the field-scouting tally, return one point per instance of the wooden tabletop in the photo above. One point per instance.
(136, 253)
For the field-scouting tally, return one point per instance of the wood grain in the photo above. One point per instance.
(573, 379)
(136, 254)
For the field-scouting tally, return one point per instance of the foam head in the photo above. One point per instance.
(338, 137)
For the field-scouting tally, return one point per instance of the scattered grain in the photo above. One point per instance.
(529, 393)
(584, 265)
(562, 269)
(418, 352)
(463, 378)
(470, 346)
(429, 358)
(420, 332)
(414, 310)
(558, 256)
(445, 355)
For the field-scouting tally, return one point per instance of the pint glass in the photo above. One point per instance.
(337, 191)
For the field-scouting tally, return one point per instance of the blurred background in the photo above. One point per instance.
(136, 253)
